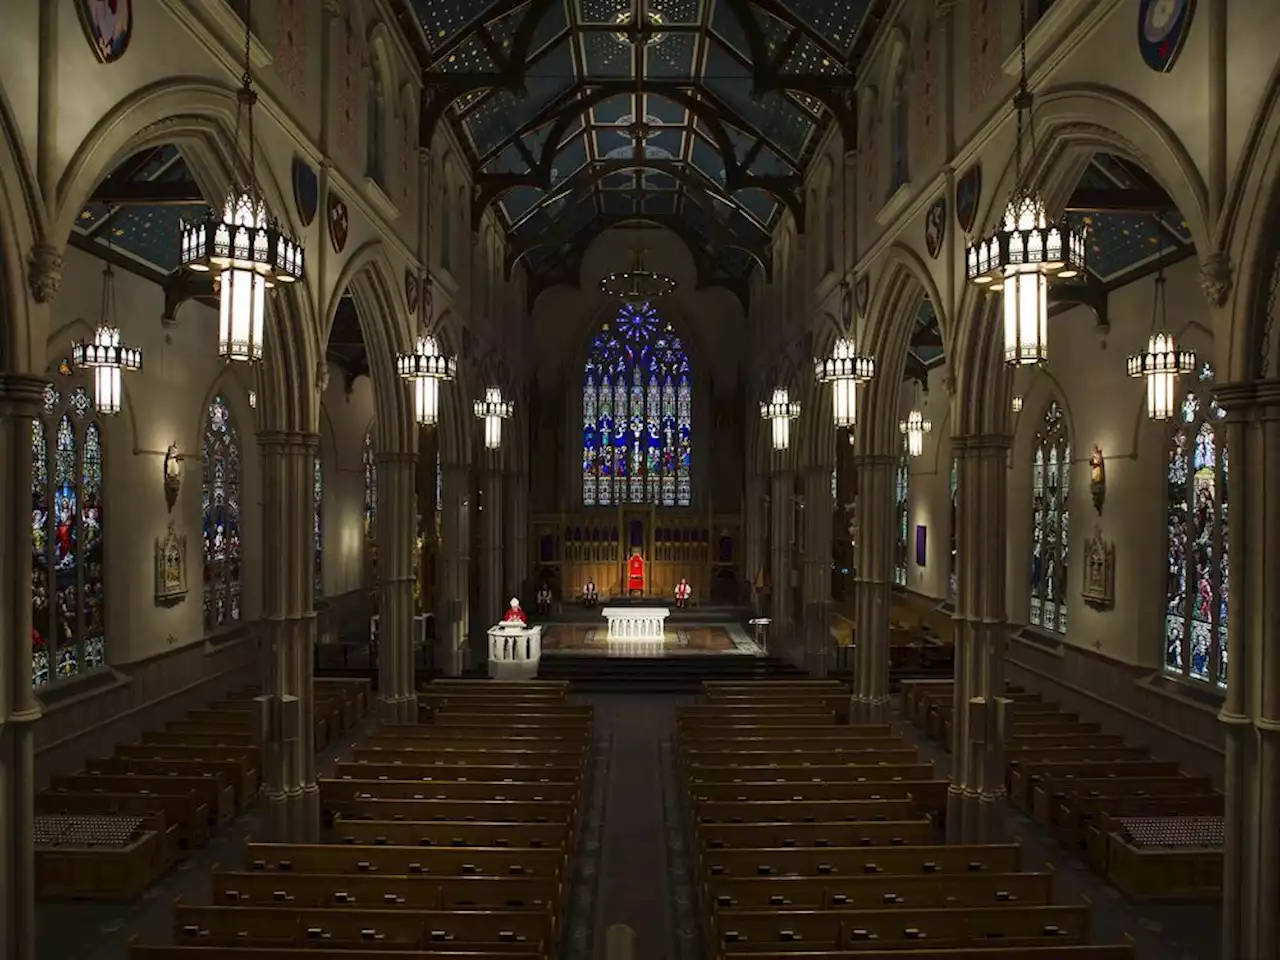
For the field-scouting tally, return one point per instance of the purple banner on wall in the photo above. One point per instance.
(920, 545)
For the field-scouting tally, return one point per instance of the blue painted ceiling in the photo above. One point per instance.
(640, 110)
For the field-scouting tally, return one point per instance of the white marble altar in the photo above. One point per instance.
(636, 624)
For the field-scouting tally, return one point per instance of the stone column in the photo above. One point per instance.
(781, 533)
(20, 400)
(978, 708)
(817, 567)
(873, 586)
(397, 701)
(291, 810)
(754, 534)
(1251, 711)
(493, 588)
(453, 617)
(517, 532)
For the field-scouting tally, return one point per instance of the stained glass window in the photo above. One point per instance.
(317, 522)
(900, 545)
(68, 612)
(951, 576)
(901, 122)
(1196, 584)
(637, 413)
(1050, 521)
(221, 517)
(370, 489)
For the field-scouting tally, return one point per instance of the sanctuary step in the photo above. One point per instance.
(676, 674)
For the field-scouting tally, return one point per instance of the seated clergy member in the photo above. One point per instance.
(514, 614)
(590, 595)
(544, 600)
(682, 592)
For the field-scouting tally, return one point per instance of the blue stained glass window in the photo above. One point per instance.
(1050, 521)
(900, 545)
(68, 612)
(1196, 581)
(220, 515)
(637, 413)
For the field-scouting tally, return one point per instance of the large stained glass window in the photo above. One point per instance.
(1195, 622)
(951, 575)
(221, 517)
(637, 413)
(370, 514)
(317, 523)
(68, 615)
(1050, 520)
(900, 547)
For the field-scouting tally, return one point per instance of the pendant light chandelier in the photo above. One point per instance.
(638, 284)
(845, 368)
(1027, 251)
(247, 251)
(913, 430)
(426, 368)
(1162, 361)
(780, 411)
(106, 355)
(493, 410)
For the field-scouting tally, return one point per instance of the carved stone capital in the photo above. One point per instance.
(21, 394)
(322, 375)
(1216, 277)
(44, 272)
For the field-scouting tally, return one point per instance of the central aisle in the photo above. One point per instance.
(643, 880)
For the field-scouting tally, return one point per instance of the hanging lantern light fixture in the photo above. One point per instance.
(844, 369)
(245, 249)
(639, 284)
(780, 411)
(1027, 252)
(493, 410)
(106, 355)
(1162, 361)
(913, 429)
(425, 369)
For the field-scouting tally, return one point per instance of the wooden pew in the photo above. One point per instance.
(513, 702)
(735, 709)
(386, 891)
(1123, 951)
(212, 791)
(803, 811)
(483, 719)
(404, 861)
(577, 734)
(462, 811)
(437, 744)
(880, 891)
(688, 746)
(1077, 810)
(188, 817)
(548, 688)
(1053, 798)
(120, 871)
(495, 773)
(432, 753)
(142, 951)
(928, 796)
(523, 932)
(1030, 773)
(1100, 825)
(712, 688)
(781, 734)
(1016, 758)
(744, 932)
(344, 797)
(734, 836)
(199, 739)
(777, 773)
(815, 756)
(230, 771)
(749, 721)
(827, 861)
(406, 833)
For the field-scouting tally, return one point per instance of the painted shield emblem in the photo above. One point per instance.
(935, 227)
(968, 193)
(108, 24)
(1163, 27)
(337, 223)
(862, 294)
(306, 191)
(411, 288)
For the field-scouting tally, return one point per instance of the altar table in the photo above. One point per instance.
(627, 624)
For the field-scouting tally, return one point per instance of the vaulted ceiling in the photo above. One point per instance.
(699, 115)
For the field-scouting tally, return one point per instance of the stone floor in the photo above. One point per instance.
(634, 864)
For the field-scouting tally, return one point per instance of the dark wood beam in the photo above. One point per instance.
(1093, 200)
(148, 192)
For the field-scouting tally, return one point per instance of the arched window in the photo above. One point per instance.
(901, 124)
(1195, 623)
(1050, 520)
(900, 548)
(952, 582)
(636, 413)
(221, 522)
(68, 616)
(318, 526)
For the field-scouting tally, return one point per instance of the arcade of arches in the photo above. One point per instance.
(801, 172)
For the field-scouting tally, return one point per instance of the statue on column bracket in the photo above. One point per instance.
(172, 474)
(44, 272)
